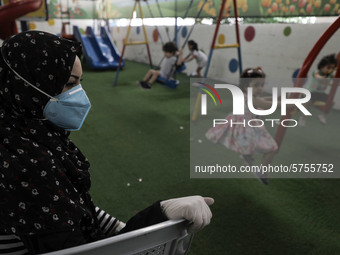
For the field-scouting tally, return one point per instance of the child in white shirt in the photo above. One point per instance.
(197, 54)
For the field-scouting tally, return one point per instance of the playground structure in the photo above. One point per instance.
(13, 10)
(223, 46)
(177, 30)
(303, 74)
(220, 46)
(171, 83)
(193, 26)
(126, 42)
(152, 16)
(99, 51)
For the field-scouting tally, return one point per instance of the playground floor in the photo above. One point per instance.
(138, 143)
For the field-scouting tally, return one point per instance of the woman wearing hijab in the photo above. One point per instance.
(44, 177)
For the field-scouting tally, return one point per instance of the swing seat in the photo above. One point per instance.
(171, 83)
(180, 68)
(319, 103)
(168, 238)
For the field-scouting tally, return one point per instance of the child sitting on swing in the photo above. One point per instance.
(321, 80)
(168, 66)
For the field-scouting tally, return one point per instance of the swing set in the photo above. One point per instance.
(152, 16)
(325, 107)
(303, 74)
(171, 83)
(220, 46)
(127, 43)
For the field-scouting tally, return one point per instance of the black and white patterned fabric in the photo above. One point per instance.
(12, 245)
(44, 177)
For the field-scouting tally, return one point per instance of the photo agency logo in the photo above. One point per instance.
(239, 104)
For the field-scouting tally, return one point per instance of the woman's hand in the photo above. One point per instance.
(193, 208)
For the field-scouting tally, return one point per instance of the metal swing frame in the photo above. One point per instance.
(127, 43)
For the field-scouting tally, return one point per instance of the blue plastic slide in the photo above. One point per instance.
(99, 51)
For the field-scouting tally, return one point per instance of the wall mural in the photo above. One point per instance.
(88, 9)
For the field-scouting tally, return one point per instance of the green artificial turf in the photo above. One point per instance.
(138, 143)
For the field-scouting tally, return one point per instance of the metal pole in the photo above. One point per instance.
(145, 35)
(196, 18)
(151, 14)
(175, 37)
(124, 44)
(238, 37)
(214, 38)
(160, 12)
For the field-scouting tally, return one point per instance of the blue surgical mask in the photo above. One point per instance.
(69, 109)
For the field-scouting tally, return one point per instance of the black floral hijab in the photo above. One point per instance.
(44, 178)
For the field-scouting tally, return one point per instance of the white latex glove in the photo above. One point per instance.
(194, 208)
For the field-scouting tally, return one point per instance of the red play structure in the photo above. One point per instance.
(303, 74)
(10, 12)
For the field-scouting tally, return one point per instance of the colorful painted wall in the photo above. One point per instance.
(111, 9)
(85, 9)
